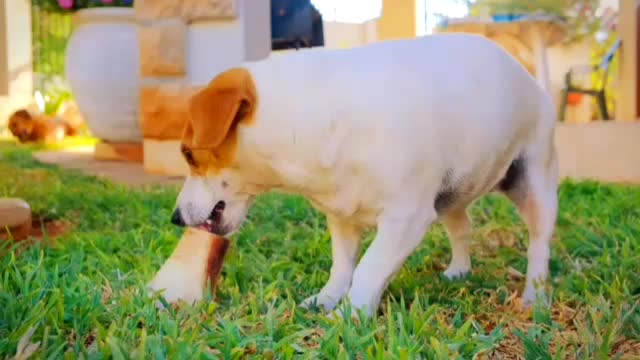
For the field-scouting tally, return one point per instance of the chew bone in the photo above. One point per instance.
(198, 257)
(217, 252)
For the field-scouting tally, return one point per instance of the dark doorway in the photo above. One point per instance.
(295, 24)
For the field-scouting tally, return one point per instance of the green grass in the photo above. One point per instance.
(85, 295)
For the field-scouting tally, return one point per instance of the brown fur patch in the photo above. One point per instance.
(214, 114)
(457, 222)
(530, 210)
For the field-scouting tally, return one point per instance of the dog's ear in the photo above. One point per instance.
(214, 111)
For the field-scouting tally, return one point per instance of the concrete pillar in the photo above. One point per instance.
(16, 75)
(398, 20)
(627, 99)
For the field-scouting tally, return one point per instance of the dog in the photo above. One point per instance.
(395, 135)
(32, 128)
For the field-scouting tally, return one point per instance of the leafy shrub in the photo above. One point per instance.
(72, 5)
(580, 15)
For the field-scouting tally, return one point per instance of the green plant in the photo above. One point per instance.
(72, 5)
(50, 33)
(580, 15)
(53, 94)
(85, 296)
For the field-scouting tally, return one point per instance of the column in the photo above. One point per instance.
(626, 107)
(16, 74)
(399, 20)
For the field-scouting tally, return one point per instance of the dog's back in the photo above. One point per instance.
(442, 100)
(439, 76)
(394, 135)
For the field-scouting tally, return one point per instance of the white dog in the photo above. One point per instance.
(394, 135)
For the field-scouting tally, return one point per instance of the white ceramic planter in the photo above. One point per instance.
(103, 72)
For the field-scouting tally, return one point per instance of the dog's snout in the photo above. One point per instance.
(176, 218)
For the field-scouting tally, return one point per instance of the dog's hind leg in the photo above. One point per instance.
(345, 244)
(531, 183)
(458, 227)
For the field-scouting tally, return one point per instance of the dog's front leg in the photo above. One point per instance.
(396, 239)
(345, 243)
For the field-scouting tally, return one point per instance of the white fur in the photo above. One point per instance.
(369, 134)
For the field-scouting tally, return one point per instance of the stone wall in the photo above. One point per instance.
(183, 44)
(162, 35)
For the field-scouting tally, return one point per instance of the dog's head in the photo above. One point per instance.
(212, 197)
(21, 125)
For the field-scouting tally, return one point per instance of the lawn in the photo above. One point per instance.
(84, 295)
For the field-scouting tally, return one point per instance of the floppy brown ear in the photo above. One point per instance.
(215, 110)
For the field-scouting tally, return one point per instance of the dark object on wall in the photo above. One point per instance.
(295, 24)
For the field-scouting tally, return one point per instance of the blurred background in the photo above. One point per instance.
(125, 69)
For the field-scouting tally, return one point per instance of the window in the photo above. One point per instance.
(349, 11)
(437, 10)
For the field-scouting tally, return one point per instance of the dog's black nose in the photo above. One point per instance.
(176, 218)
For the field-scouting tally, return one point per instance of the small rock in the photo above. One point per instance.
(14, 212)
(15, 215)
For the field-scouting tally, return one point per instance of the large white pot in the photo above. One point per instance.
(103, 73)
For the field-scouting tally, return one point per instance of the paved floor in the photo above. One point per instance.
(607, 151)
(125, 173)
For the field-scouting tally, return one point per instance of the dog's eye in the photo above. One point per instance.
(188, 155)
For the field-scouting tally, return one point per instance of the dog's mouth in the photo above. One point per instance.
(214, 224)
(213, 227)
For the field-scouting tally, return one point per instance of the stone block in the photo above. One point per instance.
(208, 9)
(15, 218)
(605, 151)
(163, 157)
(157, 9)
(162, 49)
(128, 152)
(164, 110)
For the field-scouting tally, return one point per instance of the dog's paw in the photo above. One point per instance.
(342, 314)
(532, 296)
(177, 283)
(322, 301)
(347, 312)
(338, 314)
(453, 273)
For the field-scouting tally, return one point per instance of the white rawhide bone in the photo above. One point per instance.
(197, 258)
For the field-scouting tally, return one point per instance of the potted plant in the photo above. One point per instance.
(74, 5)
(101, 65)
